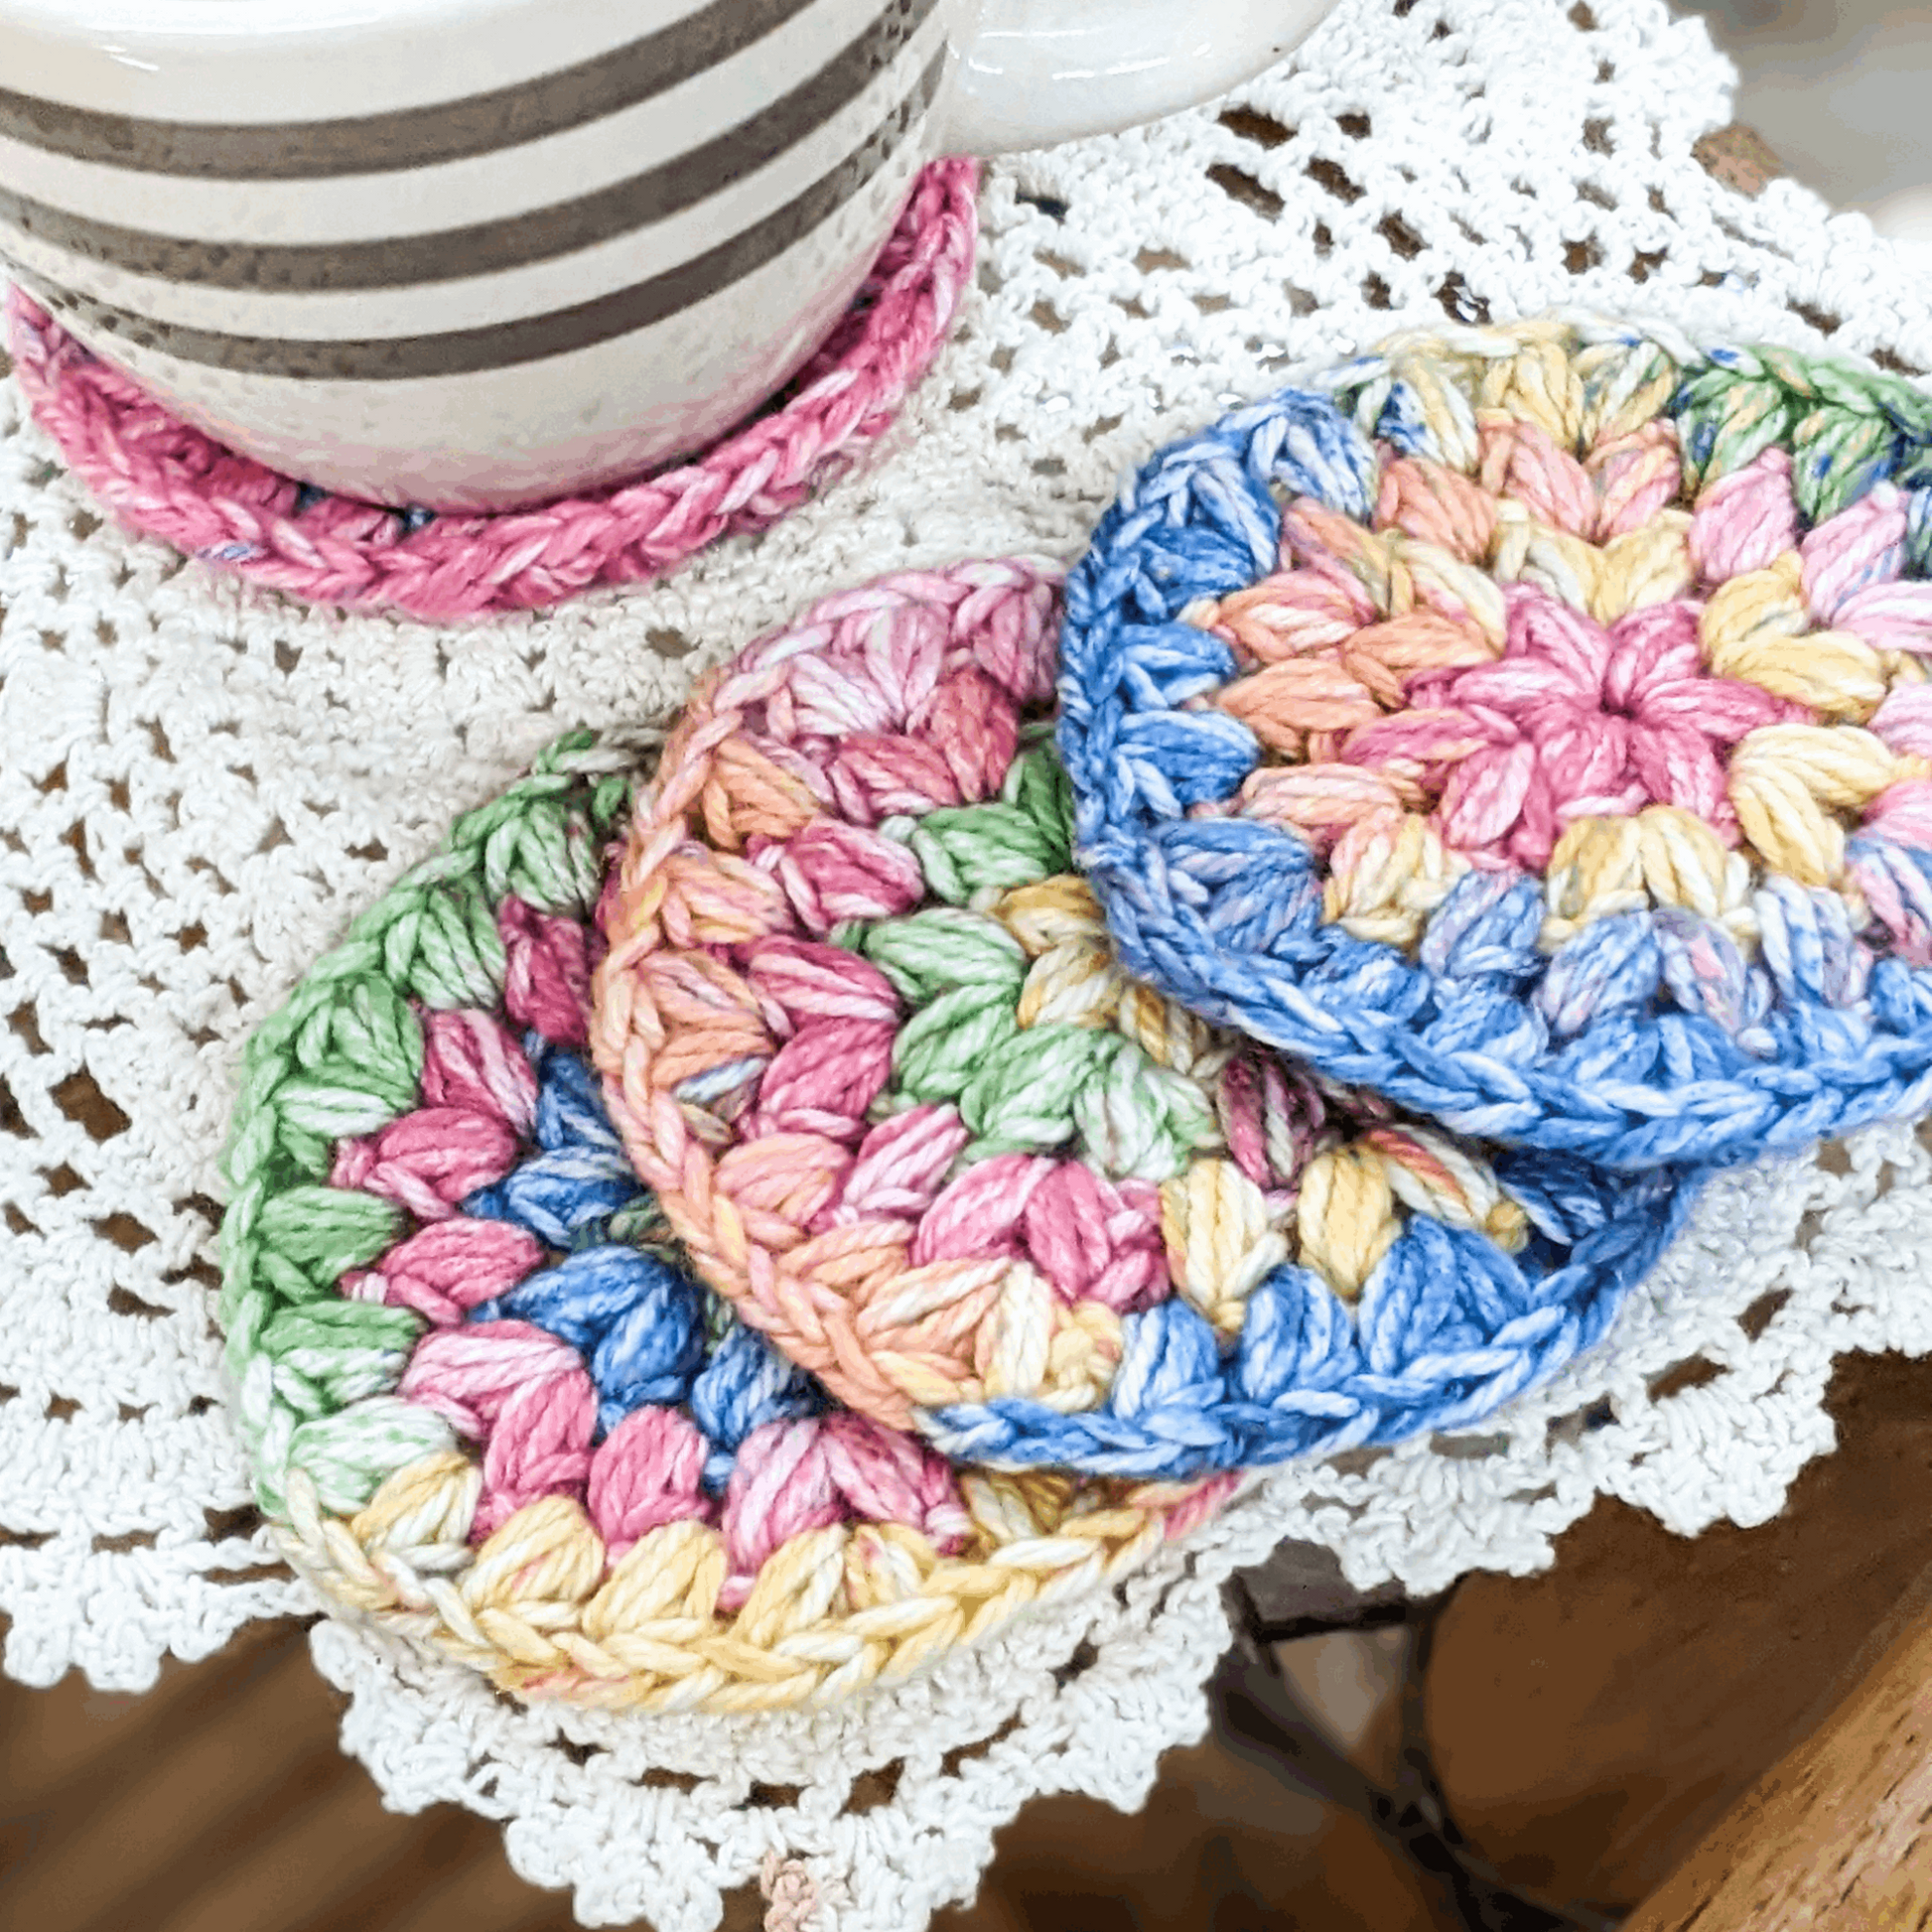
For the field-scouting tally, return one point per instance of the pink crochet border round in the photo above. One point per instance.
(167, 480)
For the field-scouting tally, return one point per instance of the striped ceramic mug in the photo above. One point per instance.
(473, 253)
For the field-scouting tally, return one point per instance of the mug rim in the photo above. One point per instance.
(182, 24)
(166, 61)
(100, 89)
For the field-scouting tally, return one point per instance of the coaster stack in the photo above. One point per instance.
(862, 1031)
(726, 1232)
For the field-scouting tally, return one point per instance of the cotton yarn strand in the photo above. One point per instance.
(1529, 724)
(234, 514)
(861, 1028)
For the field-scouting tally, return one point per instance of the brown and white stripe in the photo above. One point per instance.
(522, 223)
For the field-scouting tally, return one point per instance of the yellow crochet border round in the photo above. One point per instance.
(834, 1611)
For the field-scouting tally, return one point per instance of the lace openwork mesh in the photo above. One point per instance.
(201, 784)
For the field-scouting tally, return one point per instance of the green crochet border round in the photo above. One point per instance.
(314, 1374)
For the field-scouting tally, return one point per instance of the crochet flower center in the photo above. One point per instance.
(1550, 664)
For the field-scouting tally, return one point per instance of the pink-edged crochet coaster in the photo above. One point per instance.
(167, 480)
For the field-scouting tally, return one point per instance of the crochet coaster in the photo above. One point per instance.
(1530, 724)
(169, 481)
(485, 1400)
(862, 1029)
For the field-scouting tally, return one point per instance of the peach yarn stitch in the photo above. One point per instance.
(861, 1028)
(415, 1139)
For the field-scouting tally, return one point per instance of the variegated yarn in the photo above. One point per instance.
(1530, 724)
(862, 1031)
(166, 478)
(485, 1400)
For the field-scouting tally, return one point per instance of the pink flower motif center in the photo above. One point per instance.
(1575, 719)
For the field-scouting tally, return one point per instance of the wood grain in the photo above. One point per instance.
(1837, 1834)
(1739, 157)
(1593, 1723)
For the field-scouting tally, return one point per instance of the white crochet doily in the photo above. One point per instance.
(199, 784)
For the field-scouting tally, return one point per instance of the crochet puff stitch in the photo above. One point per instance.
(862, 1031)
(167, 479)
(1530, 724)
(485, 1400)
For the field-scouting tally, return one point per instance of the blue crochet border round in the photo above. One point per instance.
(1225, 914)
(1449, 1328)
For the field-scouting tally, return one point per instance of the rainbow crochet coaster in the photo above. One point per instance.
(862, 1029)
(1530, 724)
(169, 481)
(485, 1400)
